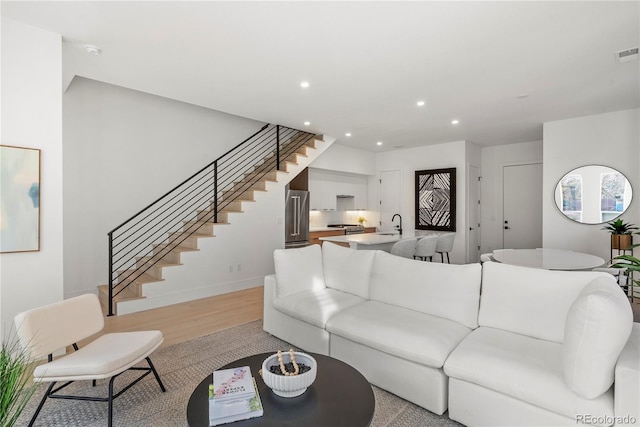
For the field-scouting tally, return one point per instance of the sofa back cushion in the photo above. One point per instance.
(530, 301)
(444, 290)
(298, 270)
(597, 328)
(347, 270)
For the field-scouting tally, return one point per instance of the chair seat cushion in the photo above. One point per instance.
(316, 306)
(524, 368)
(411, 335)
(105, 357)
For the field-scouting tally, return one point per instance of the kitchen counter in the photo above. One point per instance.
(382, 240)
(316, 234)
(314, 229)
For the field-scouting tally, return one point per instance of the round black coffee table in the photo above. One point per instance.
(340, 396)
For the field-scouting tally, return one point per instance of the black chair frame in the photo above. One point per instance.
(50, 393)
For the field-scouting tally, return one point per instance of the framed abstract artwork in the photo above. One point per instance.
(436, 199)
(19, 199)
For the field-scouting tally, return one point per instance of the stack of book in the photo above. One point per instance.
(233, 396)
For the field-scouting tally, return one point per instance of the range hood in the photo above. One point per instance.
(345, 202)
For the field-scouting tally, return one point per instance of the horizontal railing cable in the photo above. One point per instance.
(144, 239)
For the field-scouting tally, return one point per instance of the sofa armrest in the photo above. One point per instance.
(270, 282)
(627, 381)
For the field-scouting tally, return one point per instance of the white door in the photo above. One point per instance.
(389, 198)
(522, 206)
(473, 219)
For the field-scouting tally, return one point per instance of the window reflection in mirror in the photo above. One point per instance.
(593, 194)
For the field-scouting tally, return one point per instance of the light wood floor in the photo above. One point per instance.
(184, 321)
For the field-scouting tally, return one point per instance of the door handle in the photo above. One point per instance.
(296, 215)
(470, 228)
(506, 227)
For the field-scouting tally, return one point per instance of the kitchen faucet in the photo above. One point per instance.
(399, 227)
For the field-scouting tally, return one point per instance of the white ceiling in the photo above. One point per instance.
(367, 63)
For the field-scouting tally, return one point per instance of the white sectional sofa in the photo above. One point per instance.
(536, 347)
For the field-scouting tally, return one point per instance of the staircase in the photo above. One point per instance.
(158, 236)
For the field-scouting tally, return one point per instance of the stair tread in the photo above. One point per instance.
(177, 248)
(127, 293)
(160, 263)
(197, 234)
(222, 200)
(134, 278)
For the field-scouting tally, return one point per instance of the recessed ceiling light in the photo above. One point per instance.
(420, 103)
(93, 50)
(304, 84)
(379, 143)
(307, 123)
(455, 121)
(347, 134)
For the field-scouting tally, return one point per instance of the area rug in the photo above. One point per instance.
(182, 367)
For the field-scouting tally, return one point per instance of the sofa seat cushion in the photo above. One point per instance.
(411, 335)
(315, 306)
(524, 368)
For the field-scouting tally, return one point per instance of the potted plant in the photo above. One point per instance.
(620, 233)
(15, 377)
(630, 263)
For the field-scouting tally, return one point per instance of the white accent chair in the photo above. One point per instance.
(405, 248)
(426, 248)
(445, 245)
(45, 330)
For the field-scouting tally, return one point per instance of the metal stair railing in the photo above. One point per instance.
(140, 242)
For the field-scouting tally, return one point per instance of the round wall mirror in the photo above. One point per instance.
(593, 194)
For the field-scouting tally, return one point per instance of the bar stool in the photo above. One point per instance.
(405, 248)
(445, 245)
(426, 248)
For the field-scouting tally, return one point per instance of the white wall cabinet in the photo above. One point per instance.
(325, 186)
(322, 191)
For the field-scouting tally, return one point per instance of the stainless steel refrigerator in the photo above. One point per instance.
(297, 219)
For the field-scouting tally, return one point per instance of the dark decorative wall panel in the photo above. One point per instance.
(436, 199)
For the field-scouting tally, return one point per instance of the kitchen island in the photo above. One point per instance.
(382, 240)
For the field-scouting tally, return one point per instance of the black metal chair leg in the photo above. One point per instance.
(94, 383)
(110, 402)
(46, 394)
(155, 373)
(448, 262)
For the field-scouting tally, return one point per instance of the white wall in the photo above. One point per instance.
(610, 139)
(32, 117)
(474, 159)
(347, 159)
(491, 198)
(449, 155)
(123, 149)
